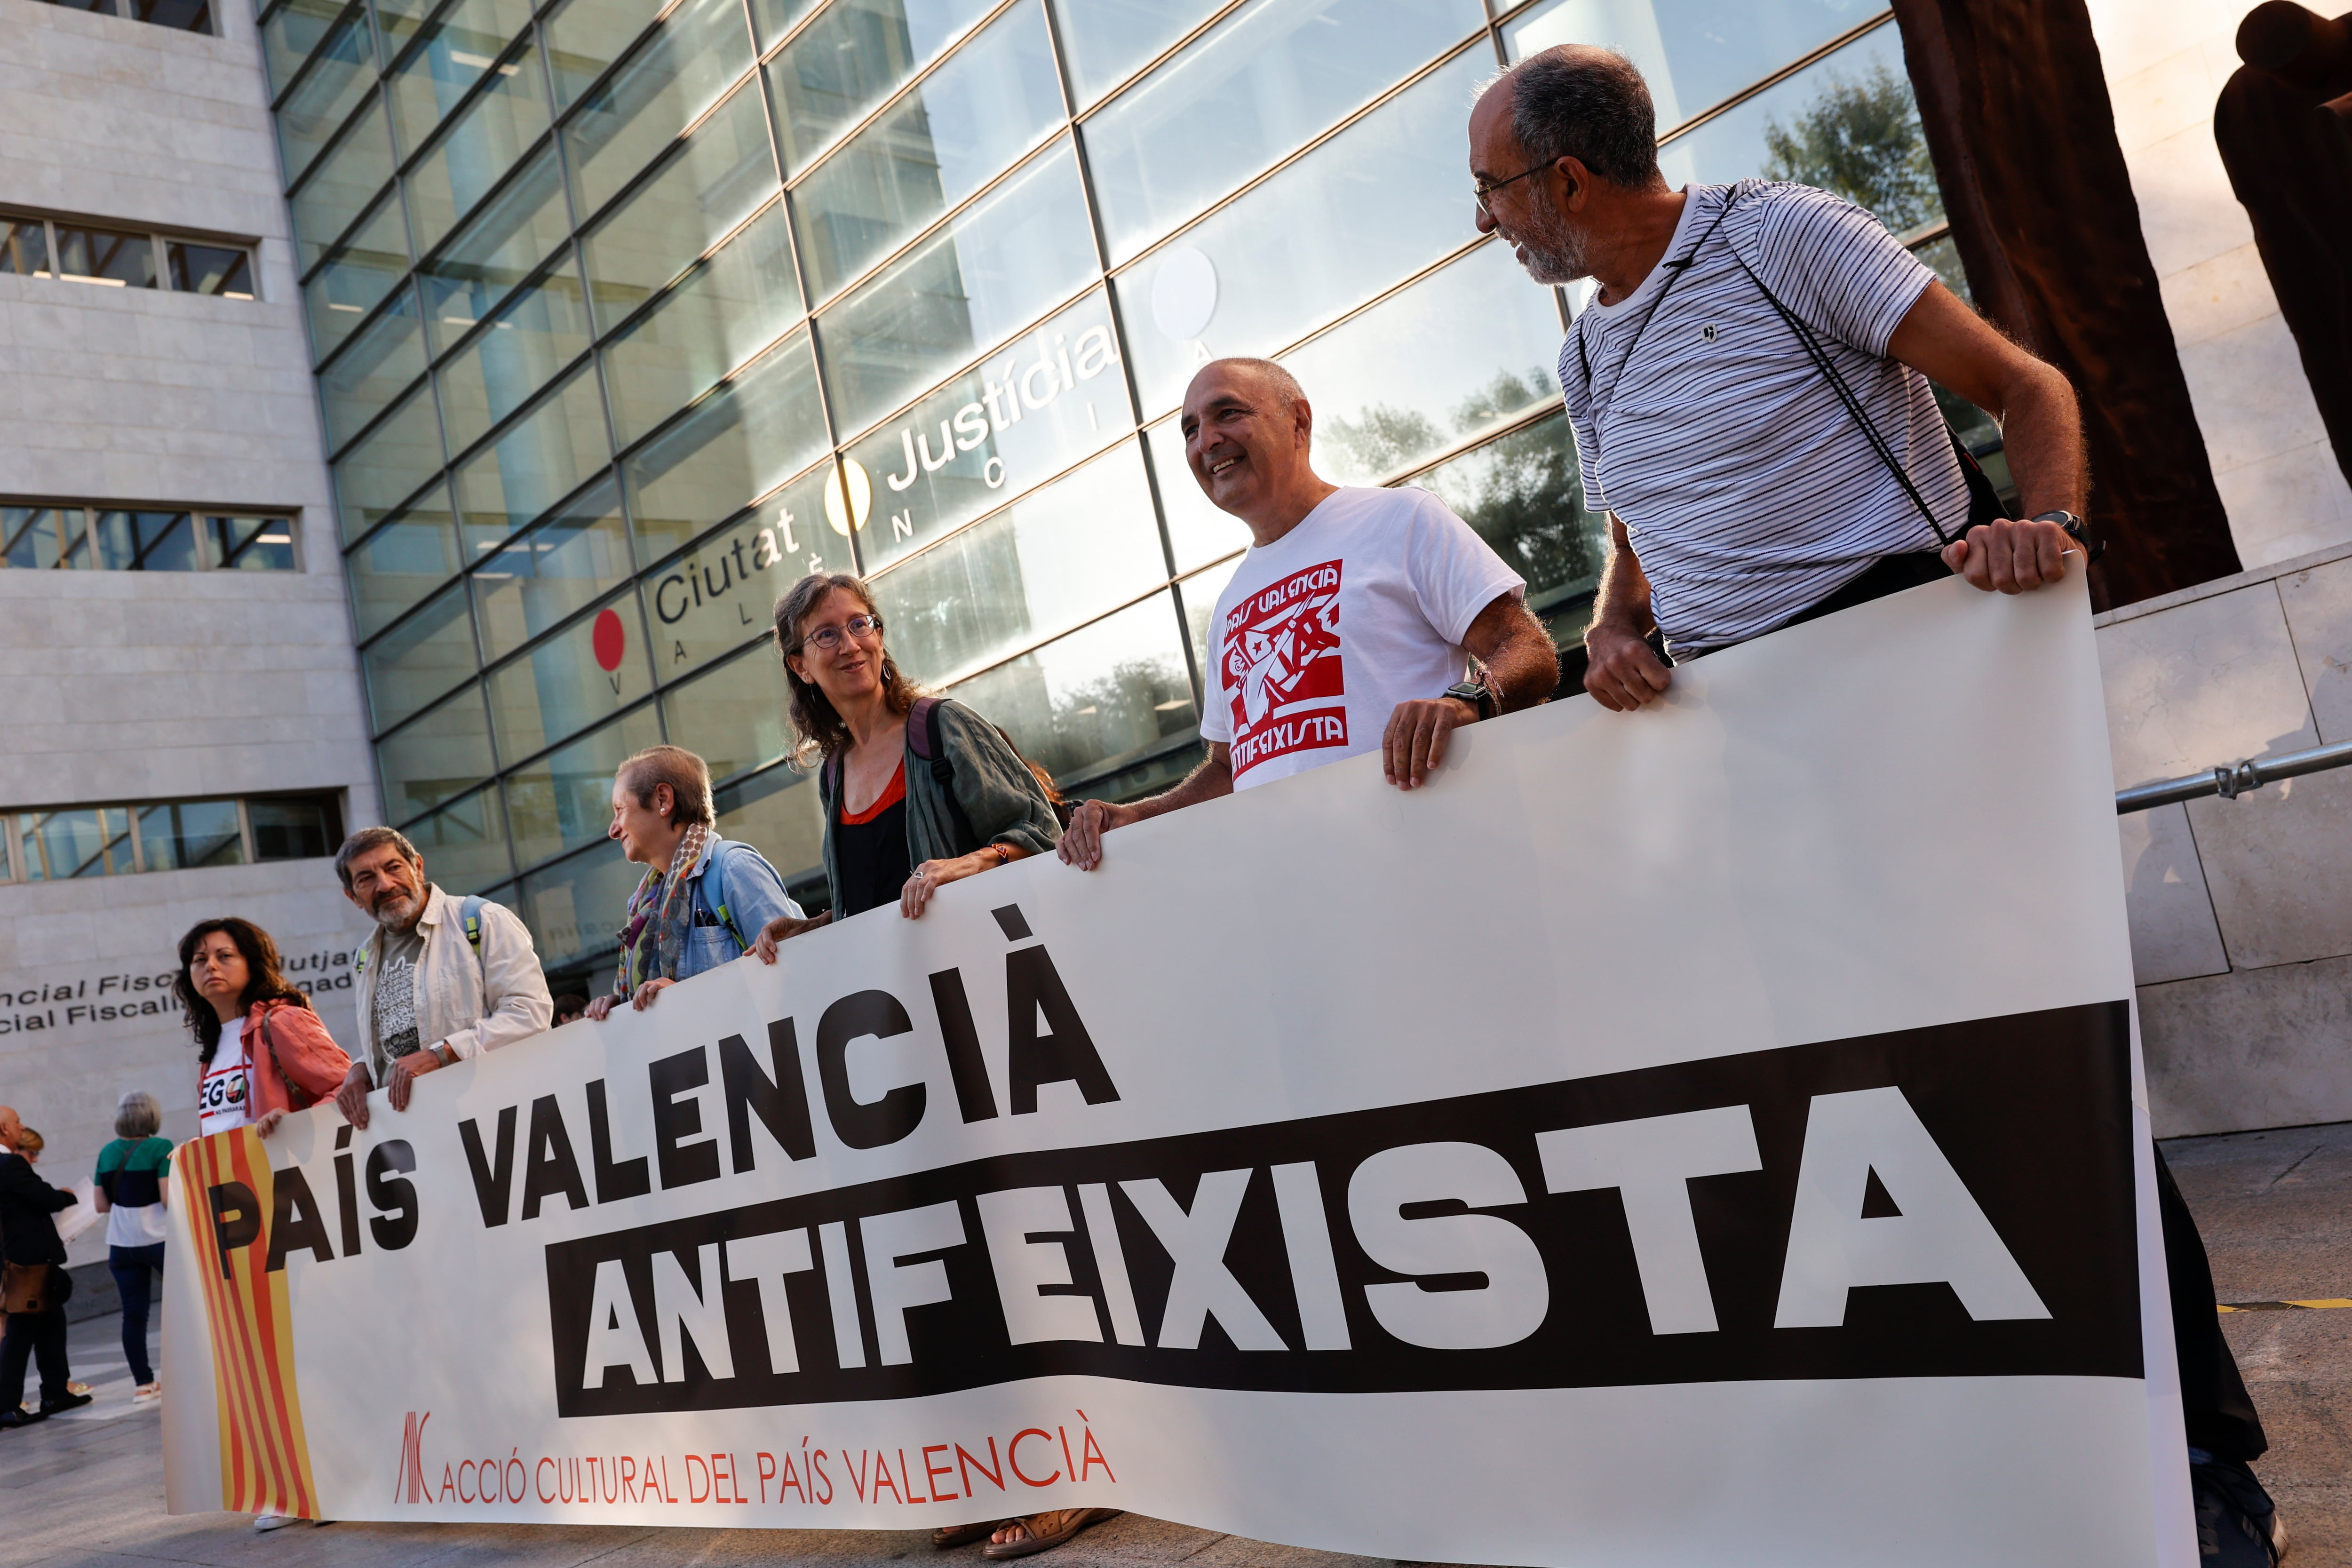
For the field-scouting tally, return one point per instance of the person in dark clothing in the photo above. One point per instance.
(29, 1239)
(908, 806)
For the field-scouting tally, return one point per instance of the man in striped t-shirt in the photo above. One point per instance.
(1750, 386)
(1750, 390)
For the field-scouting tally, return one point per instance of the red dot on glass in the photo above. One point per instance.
(609, 640)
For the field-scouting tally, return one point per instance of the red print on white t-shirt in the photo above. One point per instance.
(1281, 669)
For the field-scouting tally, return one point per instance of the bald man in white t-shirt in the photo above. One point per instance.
(1348, 623)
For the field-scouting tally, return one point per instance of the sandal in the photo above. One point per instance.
(956, 1535)
(1082, 1519)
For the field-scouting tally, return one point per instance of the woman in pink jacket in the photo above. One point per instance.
(260, 1050)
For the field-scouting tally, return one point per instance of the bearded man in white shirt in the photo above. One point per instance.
(1348, 623)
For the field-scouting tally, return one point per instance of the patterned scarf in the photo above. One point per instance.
(659, 912)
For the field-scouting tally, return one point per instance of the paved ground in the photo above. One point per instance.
(86, 1490)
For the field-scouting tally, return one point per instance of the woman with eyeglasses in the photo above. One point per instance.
(917, 791)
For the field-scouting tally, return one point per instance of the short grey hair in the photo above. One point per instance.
(1286, 390)
(136, 1115)
(370, 838)
(1580, 102)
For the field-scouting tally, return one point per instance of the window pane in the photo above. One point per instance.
(370, 375)
(361, 273)
(1427, 367)
(1525, 497)
(575, 908)
(341, 188)
(396, 22)
(388, 465)
(722, 174)
(724, 312)
(113, 542)
(1319, 237)
(565, 799)
(1693, 55)
(1848, 124)
(343, 69)
(584, 37)
(542, 329)
(1105, 41)
(37, 536)
(1197, 532)
(583, 675)
(25, 246)
(853, 55)
(458, 48)
(710, 602)
(498, 249)
(1199, 592)
(166, 541)
(210, 270)
(402, 562)
(992, 102)
(777, 813)
(537, 462)
(733, 717)
(1264, 81)
(293, 829)
(189, 833)
(1003, 260)
(553, 571)
(290, 34)
(736, 444)
(105, 256)
(251, 543)
(418, 660)
(464, 845)
(475, 151)
(1040, 566)
(435, 757)
(1014, 421)
(94, 841)
(188, 16)
(679, 72)
(1116, 687)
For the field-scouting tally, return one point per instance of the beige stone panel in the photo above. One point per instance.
(2175, 94)
(2201, 684)
(2186, 210)
(2318, 603)
(2293, 503)
(2279, 864)
(2265, 1047)
(2173, 933)
(2136, 35)
(2218, 295)
(2252, 398)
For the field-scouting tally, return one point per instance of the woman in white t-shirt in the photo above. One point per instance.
(260, 1050)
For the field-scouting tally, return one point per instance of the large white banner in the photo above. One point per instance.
(1710, 1135)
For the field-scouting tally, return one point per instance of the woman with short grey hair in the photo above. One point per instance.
(133, 1188)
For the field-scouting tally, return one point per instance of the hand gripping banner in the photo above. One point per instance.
(1663, 1134)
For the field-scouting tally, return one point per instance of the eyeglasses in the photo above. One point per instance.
(828, 640)
(1484, 188)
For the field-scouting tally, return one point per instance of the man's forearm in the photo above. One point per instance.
(1212, 778)
(2042, 434)
(1622, 600)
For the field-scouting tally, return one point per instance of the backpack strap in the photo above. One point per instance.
(923, 740)
(469, 916)
(717, 905)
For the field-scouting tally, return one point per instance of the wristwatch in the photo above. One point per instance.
(2075, 531)
(1474, 694)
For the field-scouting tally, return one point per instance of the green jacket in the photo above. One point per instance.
(1000, 796)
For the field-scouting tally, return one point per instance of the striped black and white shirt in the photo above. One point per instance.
(1747, 489)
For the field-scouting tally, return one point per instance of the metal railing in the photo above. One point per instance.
(2233, 781)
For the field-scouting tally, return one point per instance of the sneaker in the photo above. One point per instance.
(148, 1393)
(72, 1401)
(2237, 1523)
(263, 1524)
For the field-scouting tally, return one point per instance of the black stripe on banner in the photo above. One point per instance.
(1954, 1201)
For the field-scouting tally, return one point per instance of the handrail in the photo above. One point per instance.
(2230, 781)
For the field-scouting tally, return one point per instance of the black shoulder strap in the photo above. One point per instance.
(1674, 270)
(1822, 361)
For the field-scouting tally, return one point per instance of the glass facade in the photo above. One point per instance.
(626, 317)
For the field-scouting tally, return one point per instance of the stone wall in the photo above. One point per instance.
(2240, 909)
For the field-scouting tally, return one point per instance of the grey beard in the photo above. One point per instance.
(1555, 251)
(398, 914)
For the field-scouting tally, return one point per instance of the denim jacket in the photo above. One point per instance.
(735, 892)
